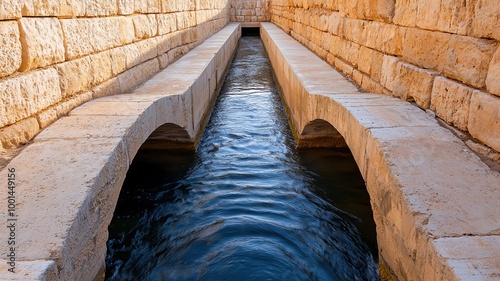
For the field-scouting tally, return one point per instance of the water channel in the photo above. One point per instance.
(246, 205)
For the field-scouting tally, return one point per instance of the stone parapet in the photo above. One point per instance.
(70, 177)
(435, 203)
(89, 44)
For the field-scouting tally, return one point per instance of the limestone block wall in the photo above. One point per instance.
(250, 10)
(441, 54)
(56, 55)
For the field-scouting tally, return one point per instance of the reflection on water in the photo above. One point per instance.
(247, 205)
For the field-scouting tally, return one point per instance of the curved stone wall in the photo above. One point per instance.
(434, 202)
(69, 179)
(56, 55)
(441, 54)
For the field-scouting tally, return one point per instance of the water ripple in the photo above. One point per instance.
(246, 205)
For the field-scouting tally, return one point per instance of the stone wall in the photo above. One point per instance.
(441, 54)
(56, 55)
(250, 10)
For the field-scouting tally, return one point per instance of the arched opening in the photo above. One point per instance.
(169, 136)
(320, 133)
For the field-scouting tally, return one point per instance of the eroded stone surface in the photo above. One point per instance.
(468, 59)
(451, 100)
(415, 83)
(42, 40)
(10, 44)
(484, 118)
(27, 94)
(493, 77)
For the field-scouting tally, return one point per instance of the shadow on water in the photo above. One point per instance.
(247, 205)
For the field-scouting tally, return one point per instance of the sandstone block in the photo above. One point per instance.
(10, 10)
(451, 100)
(414, 83)
(62, 8)
(485, 19)
(493, 76)
(42, 41)
(387, 38)
(334, 23)
(147, 49)
(81, 74)
(95, 8)
(25, 95)
(381, 10)
(10, 47)
(118, 60)
(19, 133)
(126, 7)
(147, 6)
(405, 12)
(48, 116)
(166, 23)
(388, 72)
(145, 26)
(426, 48)
(352, 30)
(468, 59)
(365, 59)
(87, 36)
(127, 32)
(484, 119)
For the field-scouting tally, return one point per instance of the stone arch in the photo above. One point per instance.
(320, 133)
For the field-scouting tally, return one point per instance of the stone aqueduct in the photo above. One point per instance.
(95, 80)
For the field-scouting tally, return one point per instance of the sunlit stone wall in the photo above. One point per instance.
(441, 54)
(250, 10)
(56, 55)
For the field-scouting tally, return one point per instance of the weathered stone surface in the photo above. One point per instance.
(126, 7)
(53, 113)
(468, 59)
(10, 10)
(147, 6)
(426, 48)
(61, 8)
(147, 49)
(42, 41)
(451, 100)
(101, 8)
(382, 10)
(493, 76)
(19, 133)
(127, 31)
(166, 23)
(485, 19)
(484, 119)
(405, 12)
(388, 72)
(27, 94)
(145, 26)
(81, 74)
(87, 36)
(414, 83)
(10, 46)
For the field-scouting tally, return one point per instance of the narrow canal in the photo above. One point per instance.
(246, 205)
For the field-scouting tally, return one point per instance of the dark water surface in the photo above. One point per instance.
(247, 205)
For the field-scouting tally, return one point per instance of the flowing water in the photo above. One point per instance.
(246, 205)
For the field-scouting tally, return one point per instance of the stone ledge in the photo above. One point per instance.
(69, 179)
(434, 202)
